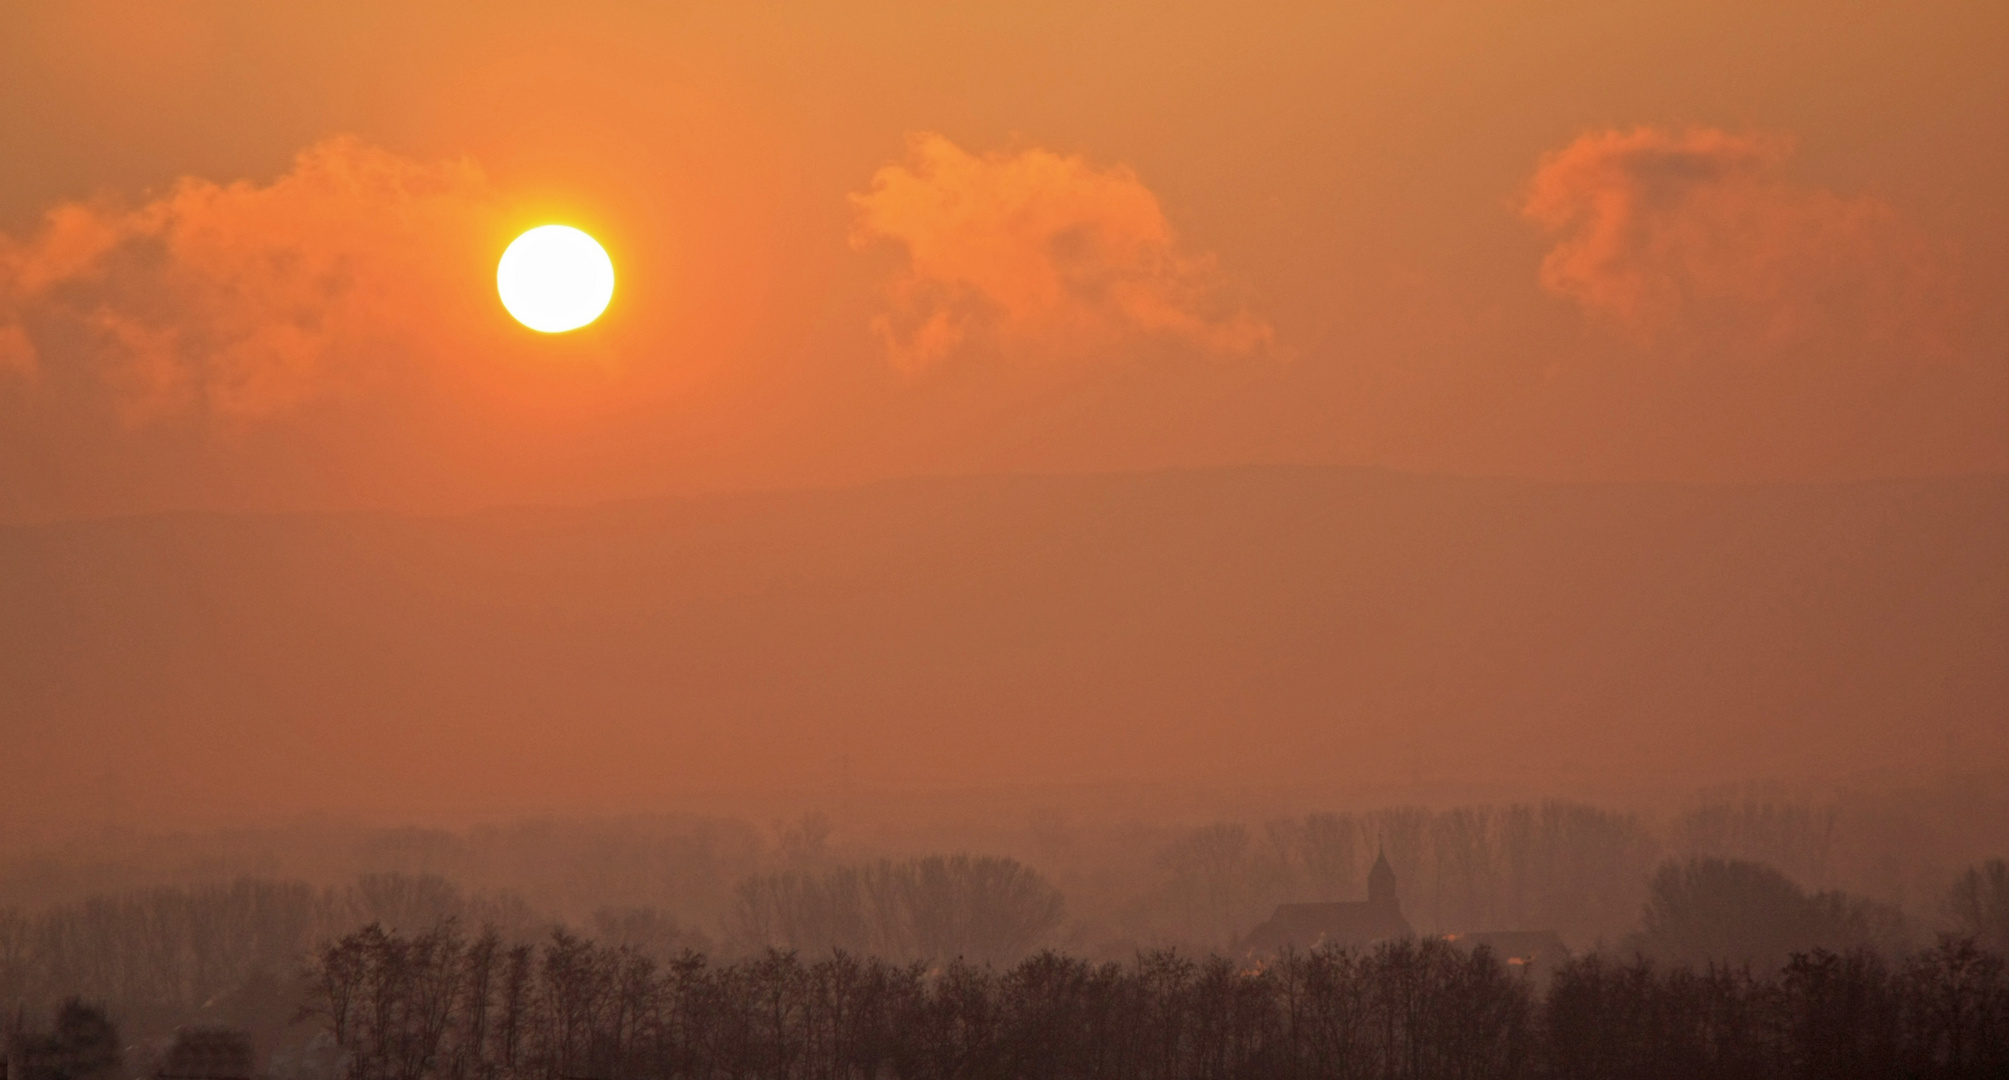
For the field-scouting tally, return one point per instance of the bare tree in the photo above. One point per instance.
(1978, 904)
(992, 910)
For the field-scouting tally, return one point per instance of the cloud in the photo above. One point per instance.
(240, 301)
(1699, 233)
(1035, 254)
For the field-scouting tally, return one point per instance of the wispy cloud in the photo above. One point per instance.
(244, 301)
(1700, 232)
(1038, 255)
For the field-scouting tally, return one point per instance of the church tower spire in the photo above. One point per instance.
(1381, 883)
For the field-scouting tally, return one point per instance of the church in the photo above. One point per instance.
(1353, 924)
(1360, 924)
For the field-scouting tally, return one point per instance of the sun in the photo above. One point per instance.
(555, 278)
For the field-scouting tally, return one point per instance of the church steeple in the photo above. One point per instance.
(1381, 883)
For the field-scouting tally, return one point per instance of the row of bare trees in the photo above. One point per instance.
(444, 1007)
(1577, 869)
(1942, 1012)
(163, 954)
(441, 1006)
(1557, 865)
(980, 908)
(1708, 910)
(229, 954)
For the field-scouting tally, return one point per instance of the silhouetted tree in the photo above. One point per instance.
(1840, 1015)
(1725, 911)
(572, 1009)
(983, 909)
(84, 1045)
(1797, 837)
(1978, 904)
(1957, 1012)
(1212, 881)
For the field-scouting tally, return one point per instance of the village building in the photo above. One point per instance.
(1360, 924)
(1346, 924)
(208, 1054)
(1538, 951)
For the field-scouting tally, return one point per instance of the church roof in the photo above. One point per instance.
(1345, 924)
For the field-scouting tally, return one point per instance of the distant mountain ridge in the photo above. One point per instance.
(1288, 625)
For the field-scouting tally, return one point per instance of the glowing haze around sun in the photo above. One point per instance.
(555, 278)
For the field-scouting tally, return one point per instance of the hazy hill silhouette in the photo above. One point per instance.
(1296, 626)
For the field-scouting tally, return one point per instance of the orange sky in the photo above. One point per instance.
(246, 251)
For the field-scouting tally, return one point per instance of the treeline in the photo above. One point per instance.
(1564, 866)
(1730, 911)
(231, 953)
(1580, 870)
(159, 956)
(1577, 869)
(986, 909)
(412, 989)
(443, 1006)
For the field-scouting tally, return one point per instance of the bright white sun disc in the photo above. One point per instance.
(555, 278)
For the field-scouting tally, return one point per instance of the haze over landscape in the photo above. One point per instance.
(1000, 525)
(1332, 632)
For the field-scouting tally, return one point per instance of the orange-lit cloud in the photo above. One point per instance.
(1698, 231)
(1039, 255)
(243, 301)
